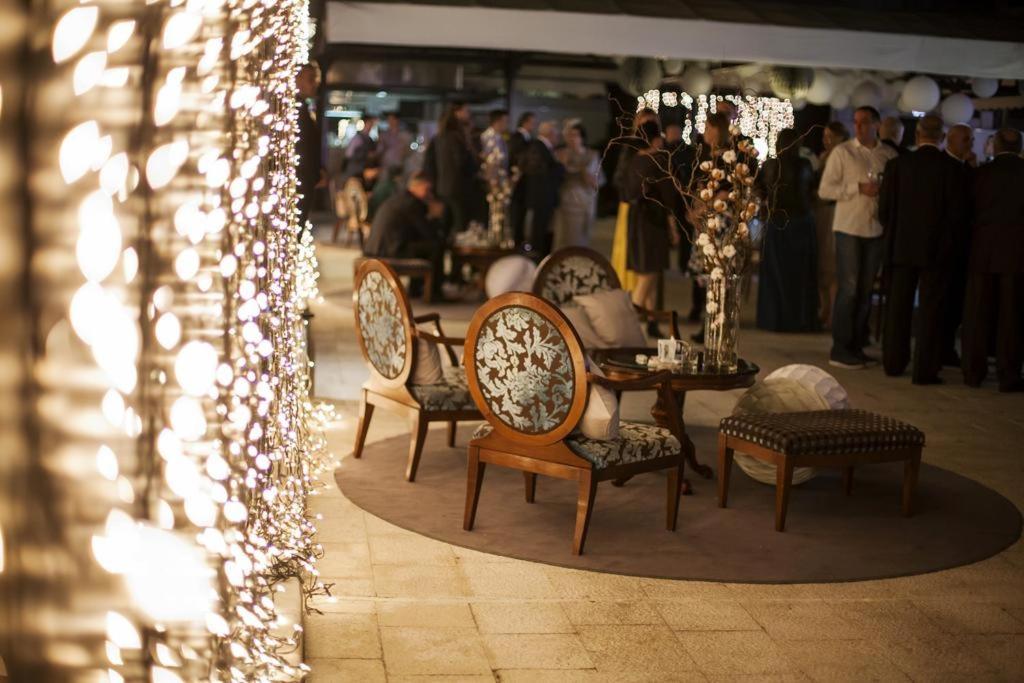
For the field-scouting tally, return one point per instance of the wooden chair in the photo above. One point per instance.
(575, 271)
(527, 374)
(387, 332)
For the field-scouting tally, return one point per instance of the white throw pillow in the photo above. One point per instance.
(601, 418)
(613, 318)
(510, 274)
(428, 363)
(581, 323)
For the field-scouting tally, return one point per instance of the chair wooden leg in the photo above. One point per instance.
(530, 479)
(848, 480)
(419, 435)
(910, 470)
(724, 470)
(452, 425)
(474, 479)
(363, 426)
(783, 482)
(675, 487)
(584, 508)
(428, 288)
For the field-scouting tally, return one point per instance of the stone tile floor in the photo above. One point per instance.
(408, 608)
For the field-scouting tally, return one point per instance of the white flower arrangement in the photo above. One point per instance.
(703, 239)
(709, 250)
(728, 251)
(717, 273)
(729, 156)
(711, 307)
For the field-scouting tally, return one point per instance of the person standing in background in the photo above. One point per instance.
(495, 170)
(361, 147)
(542, 178)
(787, 284)
(960, 147)
(835, 133)
(654, 210)
(310, 172)
(890, 132)
(453, 165)
(960, 144)
(923, 207)
(516, 146)
(629, 144)
(852, 178)
(393, 146)
(995, 279)
(577, 204)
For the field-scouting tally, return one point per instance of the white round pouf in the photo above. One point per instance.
(510, 274)
(817, 379)
(779, 395)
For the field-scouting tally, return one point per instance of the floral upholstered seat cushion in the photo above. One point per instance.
(451, 393)
(637, 442)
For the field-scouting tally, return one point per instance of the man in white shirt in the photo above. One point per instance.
(852, 178)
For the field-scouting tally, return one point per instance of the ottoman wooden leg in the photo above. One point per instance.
(783, 482)
(724, 469)
(910, 469)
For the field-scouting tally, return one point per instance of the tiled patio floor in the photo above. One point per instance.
(408, 608)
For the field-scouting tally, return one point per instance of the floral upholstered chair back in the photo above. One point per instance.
(526, 368)
(383, 323)
(572, 272)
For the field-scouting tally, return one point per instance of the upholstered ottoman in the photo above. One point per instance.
(819, 438)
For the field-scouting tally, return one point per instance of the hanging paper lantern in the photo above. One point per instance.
(696, 80)
(840, 99)
(921, 94)
(640, 74)
(790, 82)
(984, 87)
(672, 67)
(866, 94)
(822, 87)
(957, 108)
(798, 103)
(891, 93)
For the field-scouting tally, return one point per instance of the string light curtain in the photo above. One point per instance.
(166, 445)
(759, 118)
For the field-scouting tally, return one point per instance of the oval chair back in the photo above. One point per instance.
(383, 323)
(572, 272)
(526, 369)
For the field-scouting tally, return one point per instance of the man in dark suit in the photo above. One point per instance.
(542, 178)
(310, 173)
(409, 225)
(995, 278)
(960, 148)
(517, 144)
(922, 205)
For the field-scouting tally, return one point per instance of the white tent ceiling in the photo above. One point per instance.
(617, 34)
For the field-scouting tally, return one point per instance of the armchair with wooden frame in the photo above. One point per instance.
(528, 376)
(575, 271)
(388, 334)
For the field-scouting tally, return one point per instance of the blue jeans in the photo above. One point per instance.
(858, 260)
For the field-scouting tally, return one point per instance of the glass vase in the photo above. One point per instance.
(722, 325)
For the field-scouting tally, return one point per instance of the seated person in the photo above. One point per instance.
(383, 188)
(409, 225)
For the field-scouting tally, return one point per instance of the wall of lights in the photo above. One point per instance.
(759, 118)
(162, 437)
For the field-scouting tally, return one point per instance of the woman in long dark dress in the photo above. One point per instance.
(654, 208)
(787, 293)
